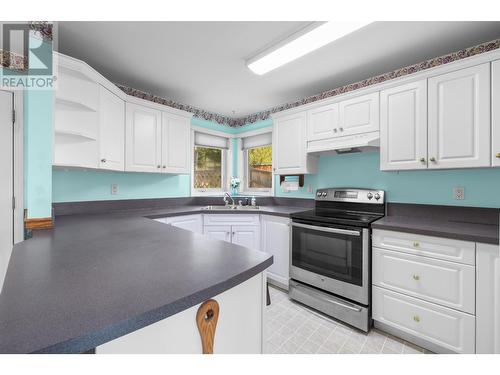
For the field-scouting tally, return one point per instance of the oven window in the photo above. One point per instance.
(337, 256)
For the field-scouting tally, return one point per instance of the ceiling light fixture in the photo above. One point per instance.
(308, 39)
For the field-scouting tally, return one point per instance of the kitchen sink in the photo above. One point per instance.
(231, 208)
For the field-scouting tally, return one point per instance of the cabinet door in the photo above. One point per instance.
(403, 127)
(275, 240)
(322, 122)
(246, 236)
(176, 144)
(192, 223)
(289, 146)
(218, 232)
(459, 119)
(488, 298)
(495, 111)
(359, 115)
(112, 131)
(143, 139)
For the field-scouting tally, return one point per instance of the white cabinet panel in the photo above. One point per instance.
(176, 144)
(459, 119)
(488, 299)
(289, 146)
(447, 328)
(247, 236)
(192, 223)
(178, 334)
(446, 283)
(322, 122)
(230, 219)
(275, 241)
(403, 127)
(359, 114)
(429, 246)
(112, 131)
(143, 139)
(218, 232)
(495, 111)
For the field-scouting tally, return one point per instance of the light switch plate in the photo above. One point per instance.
(459, 193)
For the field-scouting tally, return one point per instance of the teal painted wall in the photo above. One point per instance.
(424, 187)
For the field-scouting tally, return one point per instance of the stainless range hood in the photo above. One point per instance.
(343, 145)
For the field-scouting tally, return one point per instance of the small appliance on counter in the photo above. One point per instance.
(330, 263)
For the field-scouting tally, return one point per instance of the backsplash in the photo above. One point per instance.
(421, 187)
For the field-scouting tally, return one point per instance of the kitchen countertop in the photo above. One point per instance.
(476, 232)
(94, 278)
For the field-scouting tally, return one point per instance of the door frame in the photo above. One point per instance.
(18, 164)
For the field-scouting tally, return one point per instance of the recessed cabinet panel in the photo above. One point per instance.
(322, 122)
(143, 139)
(459, 119)
(359, 115)
(112, 131)
(276, 242)
(495, 111)
(176, 144)
(218, 232)
(246, 236)
(403, 127)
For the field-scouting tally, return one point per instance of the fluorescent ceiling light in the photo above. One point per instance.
(300, 44)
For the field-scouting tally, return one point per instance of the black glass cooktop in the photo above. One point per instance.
(332, 216)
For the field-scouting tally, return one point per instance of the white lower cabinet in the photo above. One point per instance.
(275, 233)
(247, 236)
(192, 223)
(240, 229)
(239, 327)
(218, 232)
(488, 299)
(449, 329)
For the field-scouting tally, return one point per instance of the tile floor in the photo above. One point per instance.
(293, 328)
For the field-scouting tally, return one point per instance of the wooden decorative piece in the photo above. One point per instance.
(206, 319)
(301, 179)
(42, 223)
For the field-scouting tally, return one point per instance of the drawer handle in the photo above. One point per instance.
(416, 244)
(416, 318)
(416, 277)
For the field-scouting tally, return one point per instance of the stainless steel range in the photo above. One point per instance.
(330, 253)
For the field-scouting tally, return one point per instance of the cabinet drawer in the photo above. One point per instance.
(231, 219)
(447, 328)
(433, 247)
(446, 283)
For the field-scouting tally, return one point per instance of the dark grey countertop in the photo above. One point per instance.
(477, 232)
(98, 277)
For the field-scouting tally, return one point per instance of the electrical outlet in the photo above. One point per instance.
(459, 193)
(114, 189)
(309, 189)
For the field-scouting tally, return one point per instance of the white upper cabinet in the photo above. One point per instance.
(323, 122)
(403, 127)
(176, 144)
(495, 111)
(459, 119)
(359, 115)
(112, 131)
(289, 146)
(142, 139)
(488, 299)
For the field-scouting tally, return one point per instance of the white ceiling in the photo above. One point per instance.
(203, 63)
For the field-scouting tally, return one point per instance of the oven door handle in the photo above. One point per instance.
(329, 230)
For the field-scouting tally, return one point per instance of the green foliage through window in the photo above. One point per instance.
(207, 168)
(260, 167)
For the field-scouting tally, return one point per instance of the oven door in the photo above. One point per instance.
(332, 258)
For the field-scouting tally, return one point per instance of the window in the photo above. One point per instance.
(207, 168)
(257, 157)
(259, 168)
(209, 163)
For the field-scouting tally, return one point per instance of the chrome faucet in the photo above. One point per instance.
(226, 195)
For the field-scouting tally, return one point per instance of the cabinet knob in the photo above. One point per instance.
(335, 130)
(422, 160)
(164, 167)
(433, 159)
(416, 277)
(103, 160)
(341, 129)
(158, 166)
(416, 244)
(497, 155)
(416, 318)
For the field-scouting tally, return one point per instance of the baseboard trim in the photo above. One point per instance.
(38, 223)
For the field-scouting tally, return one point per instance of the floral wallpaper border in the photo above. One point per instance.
(13, 61)
(264, 115)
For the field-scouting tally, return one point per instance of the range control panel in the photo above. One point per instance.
(351, 195)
